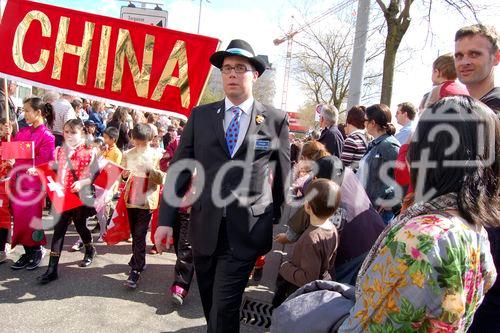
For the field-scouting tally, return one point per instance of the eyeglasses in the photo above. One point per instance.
(238, 69)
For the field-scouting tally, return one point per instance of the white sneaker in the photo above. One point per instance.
(77, 246)
(7, 248)
(3, 256)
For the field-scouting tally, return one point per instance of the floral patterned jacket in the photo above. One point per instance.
(430, 276)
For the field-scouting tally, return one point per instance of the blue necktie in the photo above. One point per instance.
(233, 130)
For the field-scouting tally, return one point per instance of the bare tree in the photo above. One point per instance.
(264, 89)
(323, 63)
(397, 19)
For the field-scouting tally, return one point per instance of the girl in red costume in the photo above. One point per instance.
(74, 160)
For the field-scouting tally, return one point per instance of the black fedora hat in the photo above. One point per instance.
(241, 48)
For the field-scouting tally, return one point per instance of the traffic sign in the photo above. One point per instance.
(145, 15)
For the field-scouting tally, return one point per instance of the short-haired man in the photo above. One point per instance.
(63, 111)
(231, 222)
(405, 115)
(330, 134)
(476, 55)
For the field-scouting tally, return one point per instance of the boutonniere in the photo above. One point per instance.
(259, 119)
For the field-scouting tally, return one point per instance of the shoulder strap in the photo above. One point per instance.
(70, 167)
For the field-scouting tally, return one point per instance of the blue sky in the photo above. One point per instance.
(261, 21)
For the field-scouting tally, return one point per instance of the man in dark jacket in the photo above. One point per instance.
(330, 135)
(476, 55)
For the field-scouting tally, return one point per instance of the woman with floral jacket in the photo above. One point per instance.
(429, 270)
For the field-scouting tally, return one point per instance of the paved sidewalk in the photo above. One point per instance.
(94, 299)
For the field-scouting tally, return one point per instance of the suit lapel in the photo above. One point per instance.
(218, 125)
(253, 128)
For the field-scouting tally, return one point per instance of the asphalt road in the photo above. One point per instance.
(94, 298)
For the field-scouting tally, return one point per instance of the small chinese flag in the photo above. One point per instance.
(109, 175)
(62, 199)
(18, 150)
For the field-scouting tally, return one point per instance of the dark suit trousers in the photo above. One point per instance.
(139, 220)
(184, 267)
(222, 279)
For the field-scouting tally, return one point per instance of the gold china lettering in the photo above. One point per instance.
(102, 62)
(125, 48)
(141, 75)
(17, 46)
(81, 51)
(177, 56)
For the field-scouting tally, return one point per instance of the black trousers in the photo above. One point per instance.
(283, 290)
(184, 266)
(79, 219)
(222, 279)
(4, 234)
(139, 220)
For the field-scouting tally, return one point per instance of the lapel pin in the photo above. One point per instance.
(259, 119)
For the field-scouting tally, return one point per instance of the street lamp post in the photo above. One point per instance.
(199, 15)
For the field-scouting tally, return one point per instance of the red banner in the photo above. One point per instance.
(123, 62)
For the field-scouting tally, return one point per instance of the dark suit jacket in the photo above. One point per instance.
(249, 224)
(333, 140)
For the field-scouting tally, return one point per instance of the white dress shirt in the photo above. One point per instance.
(246, 108)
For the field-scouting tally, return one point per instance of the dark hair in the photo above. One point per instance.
(409, 109)
(486, 31)
(99, 140)
(120, 115)
(46, 109)
(445, 64)
(356, 116)
(76, 103)
(476, 180)
(151, 118)
(381, 114)
(74, 124)
(142, 132)
(3, 121)
(322, 204)
(314, 150)
(112, 132)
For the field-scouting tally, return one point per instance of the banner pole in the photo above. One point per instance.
(7, 109)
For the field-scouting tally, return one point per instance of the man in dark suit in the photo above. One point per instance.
(330, 135)
(238, 143)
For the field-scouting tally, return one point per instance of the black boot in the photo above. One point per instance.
(51, 273)
(90, 253)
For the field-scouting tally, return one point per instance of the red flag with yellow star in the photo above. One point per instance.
(18, 150)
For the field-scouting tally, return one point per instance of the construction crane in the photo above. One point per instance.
(289, 39)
